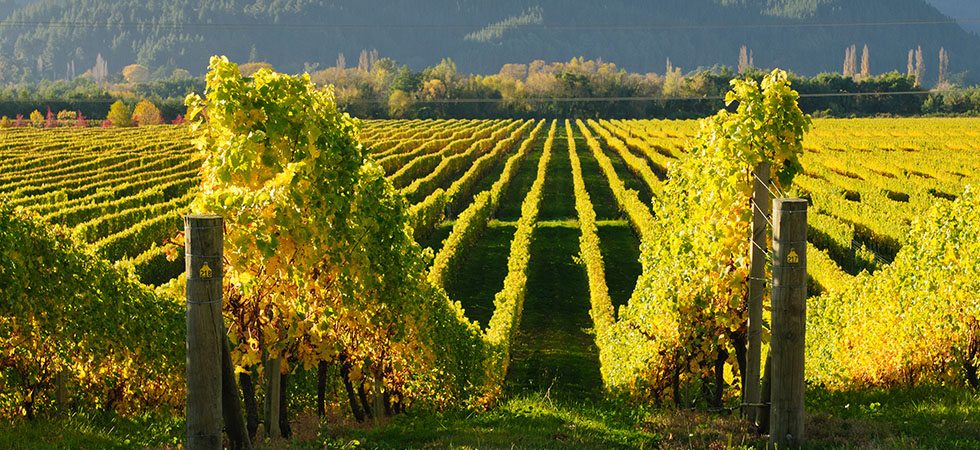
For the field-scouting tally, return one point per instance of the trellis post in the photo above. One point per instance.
(788, 322)
(203, 242)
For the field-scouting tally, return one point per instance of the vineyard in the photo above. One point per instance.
(124, 191)
(564, 248)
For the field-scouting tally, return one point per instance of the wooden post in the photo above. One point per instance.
(61, 392)
(273, 370)
(379, 404)
(788, 322)
(204, 239)
(757, 291)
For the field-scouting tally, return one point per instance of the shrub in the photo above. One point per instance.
(37, 119)
(135, 73)
(120, 115)
(146, 113)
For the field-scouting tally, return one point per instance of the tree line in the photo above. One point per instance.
(382, 88)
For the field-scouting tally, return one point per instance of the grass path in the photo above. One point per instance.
(554, 352)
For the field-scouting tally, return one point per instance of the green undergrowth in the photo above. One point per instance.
(88, 430)
(524, 421)
(603, 200)
(928, 417)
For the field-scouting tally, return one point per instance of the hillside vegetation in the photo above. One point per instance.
(41, 39)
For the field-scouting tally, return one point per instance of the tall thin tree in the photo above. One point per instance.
(865, 63)
(943, 67)
(743, 60)
(910, 71)
(850, 61)
(362, 62)
(920, 66)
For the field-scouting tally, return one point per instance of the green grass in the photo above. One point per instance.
(934, 417)
(481, 275)
(510, 203)
(621, 255)
(525, 421)
(558, 195)
(487, 181)
(927, 417)
(939, 417)
(554, 349)
(93, 431)
(630, 179)
(435, 239)
(603, 200)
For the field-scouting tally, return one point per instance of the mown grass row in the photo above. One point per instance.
(509, 302)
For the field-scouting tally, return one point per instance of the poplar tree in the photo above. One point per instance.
(865, 63)
(943, 67)
(920, 66)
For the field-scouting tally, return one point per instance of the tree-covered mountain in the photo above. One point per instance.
(42, 38)
(966, 12)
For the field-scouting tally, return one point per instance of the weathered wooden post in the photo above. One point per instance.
(757, 291)
(273, 377)
(203, 242)
(788, 322)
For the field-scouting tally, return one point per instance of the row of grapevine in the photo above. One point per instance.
(636, 164)
(685, 321)
(386, 140)
(658, 157)
(895, 171)
(629, 202)
(509, 302)
(916, 320)
(124, 192)
(450, 165)
(122, 189)
(427, 214)
(472, 222)
(405, 166)
(69, 319)
(590, 253)
(109, 224)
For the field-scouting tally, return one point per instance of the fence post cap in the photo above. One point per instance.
(791, 203)
(202, 216)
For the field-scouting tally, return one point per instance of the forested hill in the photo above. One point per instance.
(806, 36)
(965, 11)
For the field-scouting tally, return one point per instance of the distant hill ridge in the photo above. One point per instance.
(805, 36)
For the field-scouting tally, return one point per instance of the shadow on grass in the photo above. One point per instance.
(554, 349)
(480, 273)
(621, 255)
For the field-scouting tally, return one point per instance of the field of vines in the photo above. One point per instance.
(507, 207)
